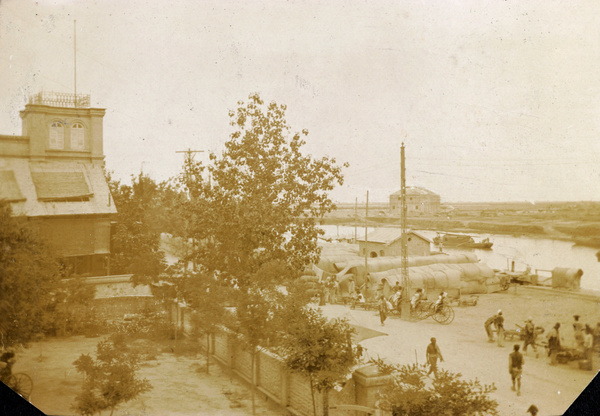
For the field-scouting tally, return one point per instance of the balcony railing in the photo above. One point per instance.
(61, 99)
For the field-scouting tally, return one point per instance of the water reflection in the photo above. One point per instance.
(538, 253)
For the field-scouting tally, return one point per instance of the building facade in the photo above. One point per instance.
(388, 242)
(419, 201)
(53, 175)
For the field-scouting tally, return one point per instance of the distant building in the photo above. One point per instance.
(418, 201)
(53, 175)
(383, 242)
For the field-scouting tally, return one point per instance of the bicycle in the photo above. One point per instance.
(20, 383)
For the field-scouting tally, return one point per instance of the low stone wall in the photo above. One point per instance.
(288, 389)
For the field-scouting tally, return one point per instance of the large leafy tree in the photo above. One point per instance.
(28, 275)
(264, 196)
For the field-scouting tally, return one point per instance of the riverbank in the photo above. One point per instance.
(466, 350)
(582, 232)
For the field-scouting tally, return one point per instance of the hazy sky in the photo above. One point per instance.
(495, 100)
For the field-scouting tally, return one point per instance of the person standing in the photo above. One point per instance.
(382, 309)
(588, 343)
(530, 336)
(553, 343)
(488, 327)
(432, 354)
(515, 368)
(500, 328)
(578, 332)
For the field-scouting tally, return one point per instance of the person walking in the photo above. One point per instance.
(488, 327)
(500, 328)
(553, 343)
(515, 368)
(530, 336)
(432, 354)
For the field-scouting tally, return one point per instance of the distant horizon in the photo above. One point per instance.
(495, 101)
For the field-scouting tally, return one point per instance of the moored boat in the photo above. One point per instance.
(461, 241)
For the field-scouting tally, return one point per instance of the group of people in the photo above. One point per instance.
(587, 339)
(497, 321)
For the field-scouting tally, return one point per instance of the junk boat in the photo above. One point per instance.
(461, 241)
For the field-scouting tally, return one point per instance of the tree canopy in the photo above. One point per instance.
(136, 240)
(263, 197)
(411, 393)
(28, 275)
(317, 347)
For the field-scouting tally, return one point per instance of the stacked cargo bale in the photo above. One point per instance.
(470, 278)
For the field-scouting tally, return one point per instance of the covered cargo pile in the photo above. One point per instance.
(470, 278)
(566, 278)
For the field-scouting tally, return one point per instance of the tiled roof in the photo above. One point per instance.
(415, 190)
(388, 235)
(60, 186)
(9, 188)
(51, 188)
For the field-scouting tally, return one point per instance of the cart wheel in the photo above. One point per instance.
(445, 315)
(21, 384)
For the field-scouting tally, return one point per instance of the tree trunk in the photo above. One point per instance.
(207, 352)
(312, 395)
(325, 402)
(252, 383)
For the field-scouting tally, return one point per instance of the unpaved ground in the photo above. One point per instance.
(180, 383)
(465, 348)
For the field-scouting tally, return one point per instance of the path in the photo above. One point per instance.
(466, 350)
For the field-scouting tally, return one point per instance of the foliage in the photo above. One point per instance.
(410, 394)
(148, 324)
(28, 273)
(256, 310)
(69, 308)
(136, 240)
(110, 378)
(260, 205)
(317, 347)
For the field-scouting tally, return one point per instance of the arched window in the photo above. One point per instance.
(57, 136)
(77, 136)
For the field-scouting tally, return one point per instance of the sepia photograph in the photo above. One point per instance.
(299, 208)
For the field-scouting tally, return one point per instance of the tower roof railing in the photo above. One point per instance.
(61, 99)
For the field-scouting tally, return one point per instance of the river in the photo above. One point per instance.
(538, 253)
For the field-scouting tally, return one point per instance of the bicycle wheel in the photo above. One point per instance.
(21, 384)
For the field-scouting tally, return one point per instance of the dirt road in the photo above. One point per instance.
(466, 350)
(180, 385)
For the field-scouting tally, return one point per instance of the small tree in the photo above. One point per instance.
(136, 240)
(255, 312)
(448, 394)
(207, 297)
(319, 348)
(110, 379)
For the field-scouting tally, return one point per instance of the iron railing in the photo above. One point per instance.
(61, 99)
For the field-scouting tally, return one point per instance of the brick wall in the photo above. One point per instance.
(271, 372)
(288, 389)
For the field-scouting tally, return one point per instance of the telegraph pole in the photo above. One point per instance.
(405, 308)
(366, 239)
(355, 219)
